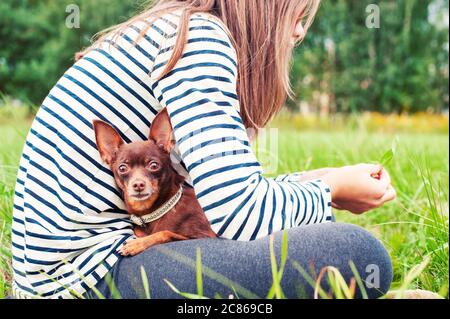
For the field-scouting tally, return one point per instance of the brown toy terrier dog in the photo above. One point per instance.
(162, 208)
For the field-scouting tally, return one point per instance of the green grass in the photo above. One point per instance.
(413, 228)
(12, 137)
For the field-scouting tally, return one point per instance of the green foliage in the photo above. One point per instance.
(37, 46)
(413, 228)
(401, 66)
(389, 155)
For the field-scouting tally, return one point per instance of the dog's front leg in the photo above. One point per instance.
(138, 245)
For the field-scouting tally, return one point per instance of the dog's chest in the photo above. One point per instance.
(186, 212)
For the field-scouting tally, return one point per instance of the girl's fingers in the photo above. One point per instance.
(389, 195)
(384, 176)
(334, 205)
(382, 184)
(375, 169)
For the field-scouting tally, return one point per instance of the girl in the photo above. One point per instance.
(220, 67)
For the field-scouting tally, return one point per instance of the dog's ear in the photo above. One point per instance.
(161, 131)
(108, 140)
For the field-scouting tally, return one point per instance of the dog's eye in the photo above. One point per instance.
(123, 168)
(153, 166)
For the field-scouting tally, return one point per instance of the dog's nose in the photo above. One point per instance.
(138, 185)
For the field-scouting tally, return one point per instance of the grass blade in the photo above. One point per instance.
(145, 283)
(199, 273)
(183, 294)
(284, 252)
(358, 280)
(273, 263)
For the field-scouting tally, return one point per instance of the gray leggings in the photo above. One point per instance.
(243, 269)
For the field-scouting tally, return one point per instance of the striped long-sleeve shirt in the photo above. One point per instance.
(69, 217)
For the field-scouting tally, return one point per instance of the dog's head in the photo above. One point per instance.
(142, 170)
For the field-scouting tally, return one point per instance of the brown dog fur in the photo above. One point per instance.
(144, 173)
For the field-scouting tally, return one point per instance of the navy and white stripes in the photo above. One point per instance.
(68, 215)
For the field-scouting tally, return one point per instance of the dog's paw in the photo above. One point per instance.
(132, 247)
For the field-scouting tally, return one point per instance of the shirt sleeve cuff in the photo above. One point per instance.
(325, 190)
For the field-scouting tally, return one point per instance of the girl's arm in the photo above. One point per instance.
(201, 98)
(305, 175)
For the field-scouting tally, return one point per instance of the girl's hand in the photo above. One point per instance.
(359, 188)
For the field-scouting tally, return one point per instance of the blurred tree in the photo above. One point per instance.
(36, 45)
(341, 66)
(401, 66)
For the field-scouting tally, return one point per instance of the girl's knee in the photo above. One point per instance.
(370, 258)
(339, 245)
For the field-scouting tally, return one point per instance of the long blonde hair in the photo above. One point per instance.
(261, 32)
